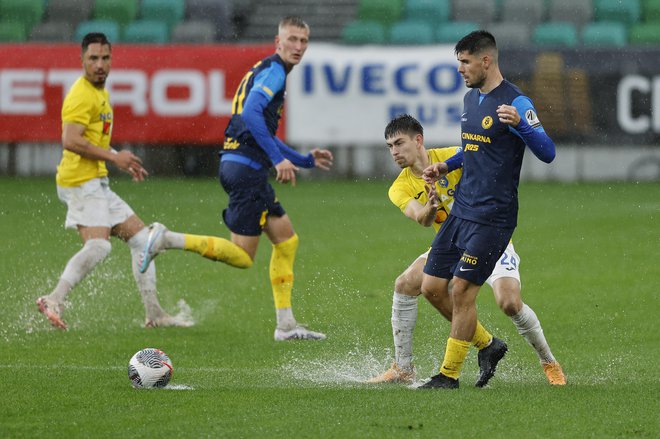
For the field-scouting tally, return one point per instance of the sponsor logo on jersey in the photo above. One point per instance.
(471, 147)
(487, 122)
(532, 118)
(476, 137)
(419, 195)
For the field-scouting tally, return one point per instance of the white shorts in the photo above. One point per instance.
(93, 204)
(507, 266)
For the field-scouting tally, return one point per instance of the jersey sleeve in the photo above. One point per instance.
(269, 81)
(530, 130)
(77, 107)
(400, 194)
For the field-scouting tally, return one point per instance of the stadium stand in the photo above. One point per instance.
(121, 12)
(511, 35)
(194, 31)
(364, 32)
(628, 11)
(146, 31)
(479, 11)
(25, 12)
(108, 27)
(326, 19)
(451, 32)
(70, 11)
(578, 12)
(530, 12)
(432, 11)
(52, 32)
(605, 34)
(651, 11)
(384, 11)
(218, 12)
(555, 34)
(644, 34)
(168, 11)
(411, 32)
(12, 32)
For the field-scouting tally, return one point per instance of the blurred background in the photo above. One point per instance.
(590, 67)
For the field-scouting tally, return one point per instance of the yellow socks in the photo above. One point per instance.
(481, 337)
(281, 271)
(454, 357)
(217, 249)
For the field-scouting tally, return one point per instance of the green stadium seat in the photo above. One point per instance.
(107, 27)
(644, 34)
(411, 32)
(651, 11)
(169, 11)
(451, 32)
(12, 32)
(605, 34)
(146, 32)
(383, 11)
(559, 34)
(628, 11)
(28, 12)
(364, 32)
(121, 12)
(433, 11)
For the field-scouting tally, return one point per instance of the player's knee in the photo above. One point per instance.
(509, 305)
(402, 285)
(98, 248)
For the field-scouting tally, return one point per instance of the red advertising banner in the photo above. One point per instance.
(160, 94)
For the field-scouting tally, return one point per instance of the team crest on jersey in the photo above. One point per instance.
(532, 118)
(443, 182)
(487, 122)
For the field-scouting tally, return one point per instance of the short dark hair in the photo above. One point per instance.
(476, 42)
(92, 38)
(403, 124)
(292, 20)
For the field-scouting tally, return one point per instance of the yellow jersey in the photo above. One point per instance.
(89, 106)
(408, 187)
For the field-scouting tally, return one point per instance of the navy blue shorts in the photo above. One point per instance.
(466, 249)
(251, 198)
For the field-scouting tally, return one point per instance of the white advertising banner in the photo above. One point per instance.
(343, 95)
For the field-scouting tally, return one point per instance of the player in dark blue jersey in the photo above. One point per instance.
(481, 223)
(249, 151)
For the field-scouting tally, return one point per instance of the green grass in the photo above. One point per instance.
(589, 268)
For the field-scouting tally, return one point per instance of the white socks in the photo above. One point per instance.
(530, 328)
(174, 240)
(79, 266)
(404, 318)
(285, 319)
(146, 281)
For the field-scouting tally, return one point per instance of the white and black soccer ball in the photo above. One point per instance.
(150, 368)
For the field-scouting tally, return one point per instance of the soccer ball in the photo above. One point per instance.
(150, 368)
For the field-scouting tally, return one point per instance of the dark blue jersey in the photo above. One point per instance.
(268, 79)
(492, 158)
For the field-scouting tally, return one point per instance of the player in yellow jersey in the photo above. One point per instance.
(95, 210)
(429, 206)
